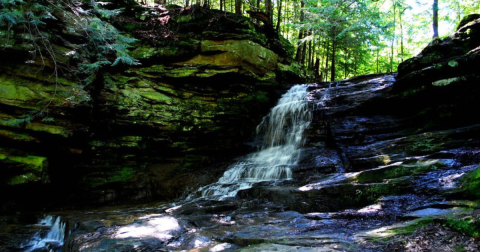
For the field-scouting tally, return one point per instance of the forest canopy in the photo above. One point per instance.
(345, 38)
(334, 39)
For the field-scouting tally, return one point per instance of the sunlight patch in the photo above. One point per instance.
(161, 228)
(331, 180)
(370, 209)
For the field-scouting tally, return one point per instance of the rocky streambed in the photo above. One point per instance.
(362, 184)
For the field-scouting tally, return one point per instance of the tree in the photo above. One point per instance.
(435, 19)
(238, 7)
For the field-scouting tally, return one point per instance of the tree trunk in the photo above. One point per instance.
(269, 10)
(401, 35)
(309, 58)
(299, 55)
(314, 53)
(238, 7)
(355, 64)
(316, 70)
(326, 60)
(435, 19)
(345, 64)
(393, 37)
(332, 65)
(279, 15)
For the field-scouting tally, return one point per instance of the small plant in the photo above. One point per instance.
(469, 226)
(471, 184)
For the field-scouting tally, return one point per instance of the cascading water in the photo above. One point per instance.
(54, 238)
(281, 131)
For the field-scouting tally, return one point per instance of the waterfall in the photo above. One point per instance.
(281, 132)
(54, 238)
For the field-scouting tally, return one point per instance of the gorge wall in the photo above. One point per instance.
(132, 131)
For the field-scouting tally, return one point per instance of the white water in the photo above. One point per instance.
(281, 131)
(56, 234)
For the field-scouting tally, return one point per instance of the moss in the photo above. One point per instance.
(23, 178)
(469, 225)
(445, 82)
(395, 171)
(20, 168)
(181, 72)
(373, 192)
(184, 18)
(157, 97)
(235, 53)
(12, 90)
(413, 226)
(425, 143)
(23, 162)
(51, 129)
(34, 162)
(413, 91)
(471, 184)
(258, 97)
(117, 175)
(384, 234)
(124, 175)
(15, 136)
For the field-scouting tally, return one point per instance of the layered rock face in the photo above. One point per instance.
(204, 81)
(415, 132)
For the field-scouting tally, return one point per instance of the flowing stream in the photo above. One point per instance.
(281, 132)
(52, 239)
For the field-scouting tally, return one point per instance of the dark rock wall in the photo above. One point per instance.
(140, 132)
(428, 111)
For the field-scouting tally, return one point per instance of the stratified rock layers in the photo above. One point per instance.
(142, 131)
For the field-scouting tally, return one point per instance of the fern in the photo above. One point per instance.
(48, 119)
(105, 41)
(127, 60)
(104, 46)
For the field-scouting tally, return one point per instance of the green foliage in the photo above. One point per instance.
(125, 174)
(469, 226)
(15, 12)
(104, 45)
(471, 184)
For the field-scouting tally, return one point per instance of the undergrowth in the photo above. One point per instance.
(102, 46)
(469, 225)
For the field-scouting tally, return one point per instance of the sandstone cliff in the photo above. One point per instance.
(190, 92)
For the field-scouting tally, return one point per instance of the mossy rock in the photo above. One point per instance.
(397, 171)
(22, 168)
(112, 174)
(467, 19)
(471, 184)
